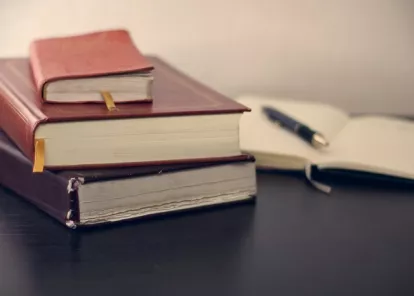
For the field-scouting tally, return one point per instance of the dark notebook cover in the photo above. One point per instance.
(358, 178)
(55, 192)
(174, 93)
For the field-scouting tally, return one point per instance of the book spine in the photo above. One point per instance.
(47, 191)
(17, 120)
(38, 77)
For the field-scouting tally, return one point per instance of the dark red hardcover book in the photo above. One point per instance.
(177, 97)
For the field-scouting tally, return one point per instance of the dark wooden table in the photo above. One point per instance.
(293, 241)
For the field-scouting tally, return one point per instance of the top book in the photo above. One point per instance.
(78, 68)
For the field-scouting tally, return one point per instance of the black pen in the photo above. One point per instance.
(313, 137)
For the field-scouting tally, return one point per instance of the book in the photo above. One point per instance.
(187, 121)
(78, 68)
(370, 144)
(93, 197)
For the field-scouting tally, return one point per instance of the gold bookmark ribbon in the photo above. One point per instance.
(39, 156)
(109, 101)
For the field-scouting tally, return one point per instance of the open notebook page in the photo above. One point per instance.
(259, 136)
(375, 144)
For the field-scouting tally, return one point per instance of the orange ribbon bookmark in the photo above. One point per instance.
(39, 157)
(108, 101)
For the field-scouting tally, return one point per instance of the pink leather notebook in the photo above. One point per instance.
(73, 69)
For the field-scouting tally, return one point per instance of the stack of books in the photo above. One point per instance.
(94, 132)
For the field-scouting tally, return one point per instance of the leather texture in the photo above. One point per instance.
(88, 55)
(49, 190)
(174, 93)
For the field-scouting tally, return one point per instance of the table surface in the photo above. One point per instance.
(294, 240)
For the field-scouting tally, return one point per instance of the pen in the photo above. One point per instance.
(312, 137)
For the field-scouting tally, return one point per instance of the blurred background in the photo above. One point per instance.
(355, 54)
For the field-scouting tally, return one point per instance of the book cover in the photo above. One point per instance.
(96, 54)
(56, 193)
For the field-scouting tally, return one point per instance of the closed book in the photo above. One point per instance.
(187, 121)
(78, 68)
(93, 197)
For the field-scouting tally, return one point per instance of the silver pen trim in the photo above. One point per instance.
(319, 141)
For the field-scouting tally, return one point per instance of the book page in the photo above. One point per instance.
(375, 144)
(259, 135)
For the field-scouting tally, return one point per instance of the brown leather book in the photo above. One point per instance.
(187, 121)
(92, 197)
(76, 68)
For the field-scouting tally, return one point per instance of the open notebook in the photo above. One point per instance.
(374, 144)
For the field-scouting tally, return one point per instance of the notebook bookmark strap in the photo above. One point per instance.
(322, 187)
